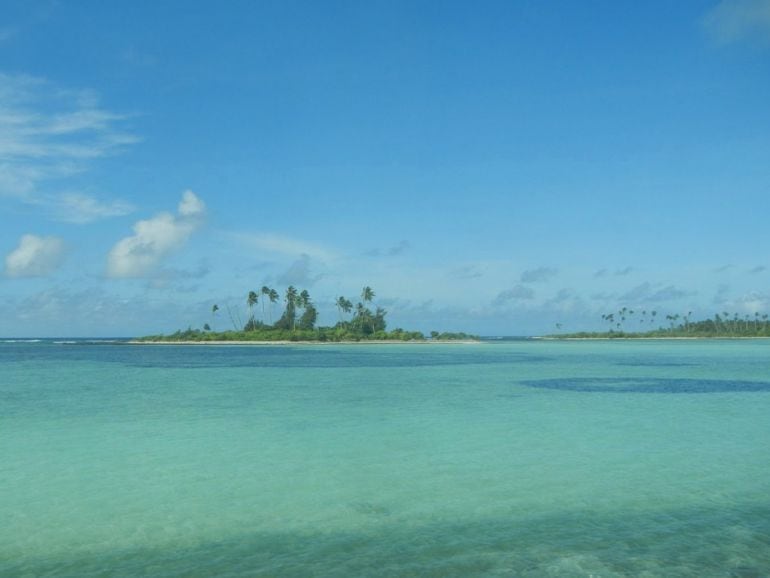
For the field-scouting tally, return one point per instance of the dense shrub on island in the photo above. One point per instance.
(298, 322)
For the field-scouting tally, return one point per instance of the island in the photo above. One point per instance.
(628, 323)
(297, 323)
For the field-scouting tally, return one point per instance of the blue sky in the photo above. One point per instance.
(493, 167)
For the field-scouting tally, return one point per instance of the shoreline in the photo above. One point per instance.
(693, 338)
(284, 342)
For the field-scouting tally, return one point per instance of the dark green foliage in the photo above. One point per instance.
(295, 326)
(253, 325)
(308, 318)
(457, 336)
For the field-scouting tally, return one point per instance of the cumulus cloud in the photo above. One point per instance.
(35, 257)
(541, 274)
(733, 20)
(140, 254)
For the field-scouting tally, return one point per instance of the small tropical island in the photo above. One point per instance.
(297, 323)
(628, 323)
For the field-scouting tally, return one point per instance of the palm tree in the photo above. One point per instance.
(340, 303)
(265, 291)
(273, 296)
(301, 301)
(367, 294)
(251, 301)
(378, 323)
(214, 309)
(291, 306)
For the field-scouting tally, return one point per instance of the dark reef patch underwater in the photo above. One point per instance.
(647, 385)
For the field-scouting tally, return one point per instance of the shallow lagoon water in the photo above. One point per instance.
(506, 459)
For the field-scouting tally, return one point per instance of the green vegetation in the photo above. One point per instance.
(629, 324)
(298, 322)
(450, 336)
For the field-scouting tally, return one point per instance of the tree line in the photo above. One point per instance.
(628, 322)
(297, 321)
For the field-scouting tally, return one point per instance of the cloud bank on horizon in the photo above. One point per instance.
(490, 171)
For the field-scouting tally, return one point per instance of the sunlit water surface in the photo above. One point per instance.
(509, 459)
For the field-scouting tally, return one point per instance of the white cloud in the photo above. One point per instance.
(747, 303)
(47, 135)
(154, 239)
(191, 205)
(282, 245)
(35, 257)
(81, 208)
(733, 20)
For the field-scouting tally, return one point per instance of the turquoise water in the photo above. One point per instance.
(531, 459)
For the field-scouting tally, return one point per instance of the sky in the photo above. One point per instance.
(494, 167)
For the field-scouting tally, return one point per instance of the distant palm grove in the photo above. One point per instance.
(297, 321)
(630, 323)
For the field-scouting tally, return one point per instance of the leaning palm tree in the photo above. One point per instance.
(251, 301)
(273, 296)
(340, 303)
(265, 291)
(359, 317)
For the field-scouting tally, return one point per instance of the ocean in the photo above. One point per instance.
(521, 458)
